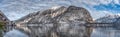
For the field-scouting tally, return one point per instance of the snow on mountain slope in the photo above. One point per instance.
(108, 19)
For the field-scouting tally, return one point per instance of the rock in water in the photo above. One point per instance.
(60, 22)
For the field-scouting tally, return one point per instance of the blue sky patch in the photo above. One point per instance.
(1, 1)
(108, 7)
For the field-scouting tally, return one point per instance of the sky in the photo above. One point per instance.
(15, 9)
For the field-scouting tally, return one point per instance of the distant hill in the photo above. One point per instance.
(114, 19)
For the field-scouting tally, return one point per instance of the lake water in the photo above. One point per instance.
(97, 32)
(105, 32)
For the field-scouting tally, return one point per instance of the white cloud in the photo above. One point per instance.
(104, 1)
(95, 2)
(116, 1)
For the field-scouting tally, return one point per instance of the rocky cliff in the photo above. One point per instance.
(60, 22)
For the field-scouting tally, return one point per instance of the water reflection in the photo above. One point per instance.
(15, 33)
(96, 32)
(105, 32)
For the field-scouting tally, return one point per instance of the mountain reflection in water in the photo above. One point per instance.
(105, 32)
(97, 32)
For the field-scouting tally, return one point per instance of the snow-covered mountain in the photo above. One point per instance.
(113, 19)
(108, 19)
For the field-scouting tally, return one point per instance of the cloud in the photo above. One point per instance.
(95, 2)
(116, 1)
